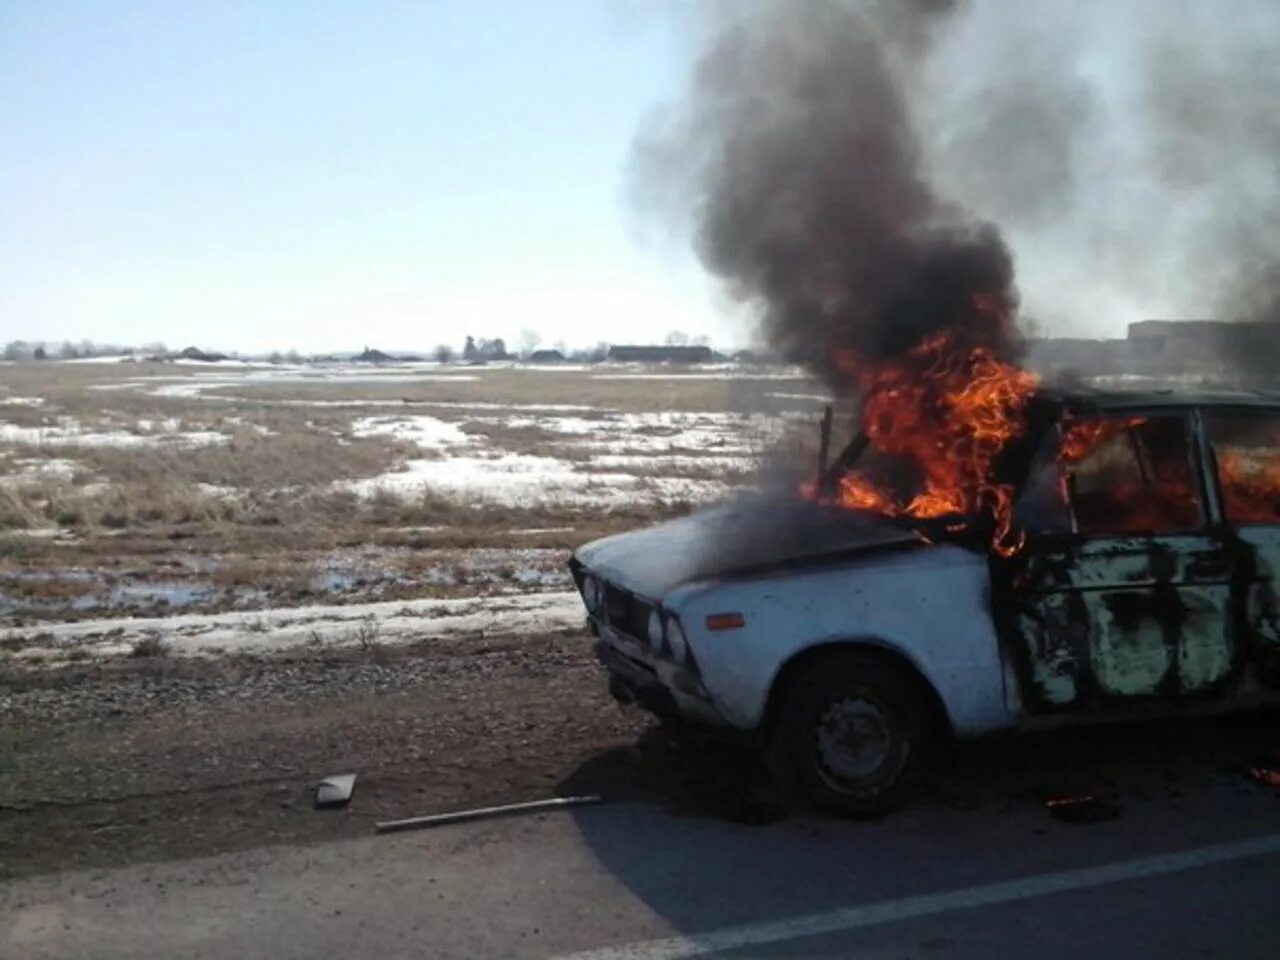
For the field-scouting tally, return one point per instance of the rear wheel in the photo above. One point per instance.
(848, 735)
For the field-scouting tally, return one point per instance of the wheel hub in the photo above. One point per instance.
(853, 739)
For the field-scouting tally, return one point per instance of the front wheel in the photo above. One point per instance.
(849, 733)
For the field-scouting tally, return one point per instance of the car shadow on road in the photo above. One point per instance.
(699, 774)
(703, 810)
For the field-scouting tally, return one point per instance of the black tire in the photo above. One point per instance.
(848, 734)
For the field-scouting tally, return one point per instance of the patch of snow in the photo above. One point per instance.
(525, 407)
(427, 432)
(257, 428)
(219, 491)
(42, 533)
(168, 425)
(569, 425)
(728, 374)
(30, 470)
(64, 468)
(187, 389)
(22, 402)
(116, 359)
(269, 631)
(655, 463)
(657, 431)
(516, 479)
(68, 433)
(816, 397)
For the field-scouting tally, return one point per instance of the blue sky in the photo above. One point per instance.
(324, 175)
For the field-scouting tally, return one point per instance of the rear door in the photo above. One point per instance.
(1245, 446)
(1122, 590)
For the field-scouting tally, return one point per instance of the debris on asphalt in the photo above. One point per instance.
(485, 813)
(334, 791)
(1082, 808)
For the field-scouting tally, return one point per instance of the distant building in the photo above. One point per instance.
(1213, 350)
(546, 356)
(646, 354)
(1181, 341)
(1076, 355)
(201, 356)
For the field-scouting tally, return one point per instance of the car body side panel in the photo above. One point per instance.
(930, 604)
(1262, 602)
(1116, 618)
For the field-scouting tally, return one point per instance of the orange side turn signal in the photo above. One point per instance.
(725, 621)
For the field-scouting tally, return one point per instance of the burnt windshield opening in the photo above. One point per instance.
(859, 459)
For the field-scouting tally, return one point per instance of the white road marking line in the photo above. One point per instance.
(907, 908)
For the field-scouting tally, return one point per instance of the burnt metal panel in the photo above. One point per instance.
(1259, 601)
(1117, 618)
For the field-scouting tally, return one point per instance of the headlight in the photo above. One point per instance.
(677, 641)
(592, 594)
(655, 630)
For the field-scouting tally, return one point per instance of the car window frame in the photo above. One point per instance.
(1210, 513)
(1211, 455)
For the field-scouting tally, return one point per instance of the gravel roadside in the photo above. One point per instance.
(154, 758)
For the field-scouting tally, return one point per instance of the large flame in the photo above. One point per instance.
(1250, 486)
(947, 410)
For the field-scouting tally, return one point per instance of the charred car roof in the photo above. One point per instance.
(1080, 400)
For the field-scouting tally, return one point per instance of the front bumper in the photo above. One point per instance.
(658, 685)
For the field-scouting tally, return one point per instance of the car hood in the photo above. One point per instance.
(739, 538)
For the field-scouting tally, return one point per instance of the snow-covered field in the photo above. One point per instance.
(209, 506)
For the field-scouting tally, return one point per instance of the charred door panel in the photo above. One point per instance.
(1262, 602)
(1124, 590)
(1245, 452)
(1117, 618)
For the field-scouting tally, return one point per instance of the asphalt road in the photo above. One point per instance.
(1195, 874)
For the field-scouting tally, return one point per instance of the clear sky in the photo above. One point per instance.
(326, 175)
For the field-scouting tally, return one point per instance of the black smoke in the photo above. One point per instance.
(857, 171)
(807, 180)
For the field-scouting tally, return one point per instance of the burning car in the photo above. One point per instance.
(1111, 556)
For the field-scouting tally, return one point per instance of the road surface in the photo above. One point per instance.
(1195, 873)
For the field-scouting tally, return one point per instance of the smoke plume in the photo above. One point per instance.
(809, 186)
(858, 173)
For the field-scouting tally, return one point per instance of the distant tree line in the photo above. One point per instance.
(68, 350)
(474, 350)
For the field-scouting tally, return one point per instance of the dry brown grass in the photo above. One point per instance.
(282, 467)
(517, 388)
(528, 440)
(254, 464)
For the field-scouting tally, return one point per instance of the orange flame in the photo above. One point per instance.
(1250, 486)
(1082, 437)
(948, 410)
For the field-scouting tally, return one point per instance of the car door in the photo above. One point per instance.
(1122, 589)
(1245, 446)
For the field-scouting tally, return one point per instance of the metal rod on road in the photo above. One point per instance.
(482, 813)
